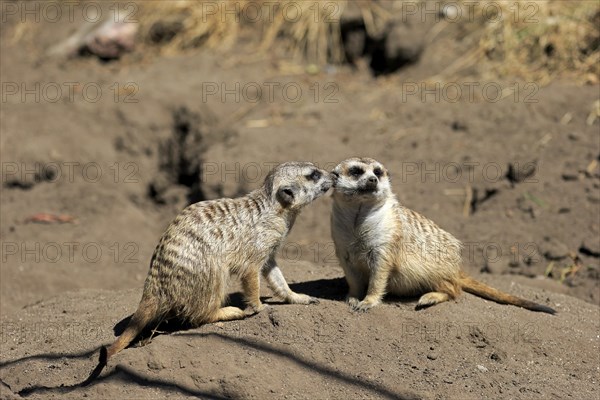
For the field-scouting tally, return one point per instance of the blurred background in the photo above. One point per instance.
(116, 115)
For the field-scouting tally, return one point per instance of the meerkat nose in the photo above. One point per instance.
(334, 177)
(372, 179)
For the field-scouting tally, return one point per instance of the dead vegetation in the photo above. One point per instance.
(535, 40)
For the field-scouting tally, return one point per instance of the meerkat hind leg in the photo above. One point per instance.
(432, 298)
(227, 314)
(444, 291)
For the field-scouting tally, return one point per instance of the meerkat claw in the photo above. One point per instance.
(259, 308)
(352, 301)
(421, 305)
(363, 306)
(303, 299)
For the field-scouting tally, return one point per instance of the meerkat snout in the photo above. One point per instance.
(371, 184)
(360, 180)
(298, 184)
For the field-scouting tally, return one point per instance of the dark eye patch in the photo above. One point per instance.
(378, 172)
(356, 171)
(314, 176)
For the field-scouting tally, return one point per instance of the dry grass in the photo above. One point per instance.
(538, 40)
(309, 29)
(544, 40)
(193, 23)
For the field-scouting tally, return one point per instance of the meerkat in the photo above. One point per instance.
(210, 241)
(383, 246)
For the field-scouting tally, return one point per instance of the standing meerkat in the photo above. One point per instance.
(383, 246)
(211, 240)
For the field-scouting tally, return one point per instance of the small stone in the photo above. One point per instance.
(155, 365)
(459, 126)
(570, 176)
(432, 356)
(482, 368)
(590, 247)
(519, 171)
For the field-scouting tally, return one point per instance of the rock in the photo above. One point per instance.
(519, 171)
(459, 126)
(570, 177)
(482, 368)
(498, 356)
(155, 364)
(112, 39)
(590, 247)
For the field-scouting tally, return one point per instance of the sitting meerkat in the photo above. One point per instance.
(383, 246)
(210, 241)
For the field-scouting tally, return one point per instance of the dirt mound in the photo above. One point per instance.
(470, 348)
(89, 184)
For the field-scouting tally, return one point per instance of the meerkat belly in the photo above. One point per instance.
(373, 238)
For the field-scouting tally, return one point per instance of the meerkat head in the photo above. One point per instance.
(363, 179)
(296, 184)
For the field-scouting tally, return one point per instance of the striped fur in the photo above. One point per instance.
(210, 241)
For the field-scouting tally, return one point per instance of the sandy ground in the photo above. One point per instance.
(115, 165)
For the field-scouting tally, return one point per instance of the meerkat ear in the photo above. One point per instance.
(285, 195)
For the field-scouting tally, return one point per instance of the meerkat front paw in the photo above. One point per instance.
(255, 309)
(363, 306)
(352, 301)
(298, 298)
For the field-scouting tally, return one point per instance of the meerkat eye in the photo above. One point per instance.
(378, 172)
(356, 171)
(314, 176)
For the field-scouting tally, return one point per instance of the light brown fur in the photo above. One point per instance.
(210, 241)
(385, 247)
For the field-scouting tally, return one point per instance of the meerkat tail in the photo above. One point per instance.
(480, 289)
(146, 313)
